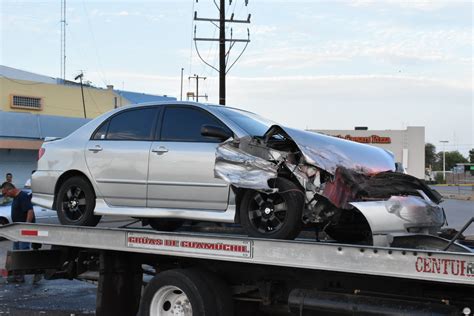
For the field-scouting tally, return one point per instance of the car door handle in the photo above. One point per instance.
(95, 149)
(160, 150)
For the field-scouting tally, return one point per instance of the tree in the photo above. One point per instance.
(452, 158)
(430, 155)
(471, 155)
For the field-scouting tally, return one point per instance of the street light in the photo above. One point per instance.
(444, 158)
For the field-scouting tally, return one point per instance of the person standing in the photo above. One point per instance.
(9, 178)
(22, 212)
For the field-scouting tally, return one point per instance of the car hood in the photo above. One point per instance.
(329, 152)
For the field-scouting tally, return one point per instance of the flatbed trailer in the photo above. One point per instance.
(224, 274)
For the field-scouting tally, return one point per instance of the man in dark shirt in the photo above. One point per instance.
(22, 211)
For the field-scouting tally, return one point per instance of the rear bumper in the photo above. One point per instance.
(44, 181)
(43, 200)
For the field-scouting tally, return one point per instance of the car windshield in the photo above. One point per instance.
(251, 123)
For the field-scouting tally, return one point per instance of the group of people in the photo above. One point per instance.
(21, 211)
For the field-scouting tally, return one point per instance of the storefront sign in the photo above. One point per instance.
(373, 139)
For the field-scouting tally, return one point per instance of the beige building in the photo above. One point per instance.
(35, 106)
(407, 145)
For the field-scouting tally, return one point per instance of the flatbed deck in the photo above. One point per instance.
(436, 266)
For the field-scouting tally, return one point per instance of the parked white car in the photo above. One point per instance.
(40, 212)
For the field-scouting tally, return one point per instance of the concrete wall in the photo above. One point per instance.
(18, 162)
(60, 100)
(409, 142)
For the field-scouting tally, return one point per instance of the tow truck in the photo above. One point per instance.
(220, 273)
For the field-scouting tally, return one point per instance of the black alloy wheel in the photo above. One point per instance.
(76, 202)
(267, 212)
(274, 215)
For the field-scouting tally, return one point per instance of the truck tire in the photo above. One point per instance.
(221, 293)
(166, 225)
(75, 203)
(276, 215)
(184, 292)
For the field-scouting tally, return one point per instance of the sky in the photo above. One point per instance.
(384, 64)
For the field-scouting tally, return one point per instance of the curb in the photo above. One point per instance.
(461, 197)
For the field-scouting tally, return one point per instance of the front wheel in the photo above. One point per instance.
(276, 215)
(76, 202)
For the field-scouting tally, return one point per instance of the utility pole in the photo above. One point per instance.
(79, 76)
(197, 84)
(223, 52)
(63, 41)
(222, 65)
(444, 142)
(181, 94)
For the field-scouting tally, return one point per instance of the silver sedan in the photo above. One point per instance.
(168, 162)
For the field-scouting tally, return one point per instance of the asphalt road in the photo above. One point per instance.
(65, 297)
(451, 189)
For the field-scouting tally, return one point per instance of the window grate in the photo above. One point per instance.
(23, 102)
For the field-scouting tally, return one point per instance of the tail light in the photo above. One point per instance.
(41, 152)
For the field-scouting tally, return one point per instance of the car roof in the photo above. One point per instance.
(185, 103)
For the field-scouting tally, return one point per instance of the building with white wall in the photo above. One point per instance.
(407, 145)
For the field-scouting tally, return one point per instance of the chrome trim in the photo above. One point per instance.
(227, 216)
(200, 184)
(122, 181)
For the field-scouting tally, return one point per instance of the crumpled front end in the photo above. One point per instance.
(341, 180)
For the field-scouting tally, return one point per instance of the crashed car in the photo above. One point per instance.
(168, 162)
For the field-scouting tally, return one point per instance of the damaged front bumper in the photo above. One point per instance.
(411, 214)
(337, 177)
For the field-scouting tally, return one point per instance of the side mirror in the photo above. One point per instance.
(215, 132)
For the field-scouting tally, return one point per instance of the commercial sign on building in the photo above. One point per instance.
(373, 139)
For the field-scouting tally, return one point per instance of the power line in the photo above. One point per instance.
(224, 54)
(97, 56)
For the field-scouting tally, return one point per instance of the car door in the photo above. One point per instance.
(117, 156)
(181, 171)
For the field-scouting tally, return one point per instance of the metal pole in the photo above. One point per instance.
(197, 88)
(222, 53)
(181, 98)
(83, 102)
(444, 159)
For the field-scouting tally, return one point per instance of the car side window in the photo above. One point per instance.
(132, 125)
(101, 132)
(184, 125)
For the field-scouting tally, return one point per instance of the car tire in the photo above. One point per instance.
(179, 290)
(166, 225)
(276, 215)
(75, 203)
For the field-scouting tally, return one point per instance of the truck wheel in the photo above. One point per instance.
(177, 292)
(276, 215)
(221, 293)
(166, 225)
(76, 202)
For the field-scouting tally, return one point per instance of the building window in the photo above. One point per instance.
(22, 102)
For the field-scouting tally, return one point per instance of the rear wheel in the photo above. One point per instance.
(76, 202)
(276, 215)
